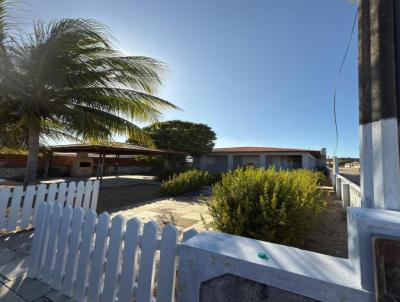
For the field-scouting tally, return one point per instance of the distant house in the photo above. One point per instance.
(353, 164)
(223, 159)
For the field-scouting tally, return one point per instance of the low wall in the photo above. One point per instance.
(221, 267)
(12, 166)
(348, 192)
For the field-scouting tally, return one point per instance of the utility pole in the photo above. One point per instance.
(379, 89)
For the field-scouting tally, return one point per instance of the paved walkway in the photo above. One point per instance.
(185, 213)
(15, 286)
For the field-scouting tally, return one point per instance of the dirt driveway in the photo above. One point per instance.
(114, 198)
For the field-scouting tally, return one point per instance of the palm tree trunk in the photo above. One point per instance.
(33, 154)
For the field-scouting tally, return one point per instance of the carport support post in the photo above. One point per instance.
(102, 156)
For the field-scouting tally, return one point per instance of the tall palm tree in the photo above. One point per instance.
(66, 80)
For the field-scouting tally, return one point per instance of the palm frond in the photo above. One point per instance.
(67, 77)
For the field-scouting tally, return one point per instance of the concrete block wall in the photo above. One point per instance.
(286, 272)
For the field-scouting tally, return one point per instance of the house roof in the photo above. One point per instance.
(315, 153)
(111, 148)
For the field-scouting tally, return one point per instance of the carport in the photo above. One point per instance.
(116, 149)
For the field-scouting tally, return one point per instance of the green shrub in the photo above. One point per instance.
(265, 204)
(167, 173)
(186, 182)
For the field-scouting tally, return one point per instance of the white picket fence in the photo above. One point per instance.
(18, 205)
(347, 191)
(90, 258)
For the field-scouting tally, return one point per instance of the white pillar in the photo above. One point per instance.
(230, 161)
(339, 187)
(386, 165)
(366, 168)
(335, 165)
(345, 195)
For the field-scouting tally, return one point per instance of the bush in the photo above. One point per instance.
(167, 173)
(186, 182)
(265, 204)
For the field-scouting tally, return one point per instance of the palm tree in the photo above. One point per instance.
(65, 80)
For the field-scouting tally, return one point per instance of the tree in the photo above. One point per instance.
(65, 80)
(192, 138)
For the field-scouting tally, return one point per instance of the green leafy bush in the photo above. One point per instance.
(167, 173)
(186, 182)
(265, 204)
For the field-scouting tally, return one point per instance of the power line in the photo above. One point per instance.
(337, 81)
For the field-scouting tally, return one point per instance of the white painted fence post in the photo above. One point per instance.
(15, 206)
(113, 266)
(72, 256)
(129, 267)
(4, 197)
(345, 195)
(82, 275)
(339, 187)
(38, 241)
(27, 209)
(166, 273)
(147, 261)
(62, 247)
(98, 258)
(51, 246)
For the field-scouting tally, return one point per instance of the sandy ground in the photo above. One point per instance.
(329, 235)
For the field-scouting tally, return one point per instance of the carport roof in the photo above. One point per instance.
(111, 148)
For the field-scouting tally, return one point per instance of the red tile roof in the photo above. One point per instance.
(315, 153)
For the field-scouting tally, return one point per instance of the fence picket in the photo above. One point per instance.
(147, 261)
(99, 252)
(84, 257)
(51, 195)
(15, 208)
(167, 269)
(62, 247)
(62, 190)
(49, 213)
(4, 197)
(51, 247)
(88, 194)
(71, 193)
(21, 211)
(72, 256)
(80, 189)
(128, 272)
(40, 197)
(95, 195)
(38, 241)
(113, 266)
(106, 269)
(27, 207)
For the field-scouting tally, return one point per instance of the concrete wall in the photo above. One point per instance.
(220, 163)
(212, 163)
(209, 259)
(12, 166)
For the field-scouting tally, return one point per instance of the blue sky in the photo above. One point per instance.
(259, 72)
